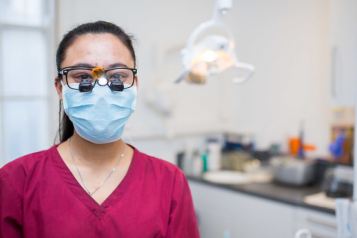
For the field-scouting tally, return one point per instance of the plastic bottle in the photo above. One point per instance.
(214, 154)
(197, 164)
(188, 163)
(204, 156)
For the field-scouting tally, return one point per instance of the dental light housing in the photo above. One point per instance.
(209, 54)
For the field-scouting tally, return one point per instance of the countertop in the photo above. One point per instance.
(280, 193)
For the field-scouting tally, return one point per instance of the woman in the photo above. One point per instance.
(93, 184)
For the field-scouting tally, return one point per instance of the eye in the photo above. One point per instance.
(83, 76)
(117, 76)
(124, 75)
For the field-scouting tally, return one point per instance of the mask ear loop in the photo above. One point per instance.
(59, 114)
(59, 121)
(128, 131)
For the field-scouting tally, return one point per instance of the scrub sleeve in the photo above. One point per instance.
(10, 209)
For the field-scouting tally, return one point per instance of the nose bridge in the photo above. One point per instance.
(100, 75)
(102, 91)
(103, 100)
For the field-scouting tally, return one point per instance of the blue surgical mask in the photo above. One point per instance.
(99, 116)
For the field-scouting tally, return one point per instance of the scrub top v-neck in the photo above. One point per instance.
(84, 197)
(40, 197)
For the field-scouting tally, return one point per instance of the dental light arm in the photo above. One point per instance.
(220, 9)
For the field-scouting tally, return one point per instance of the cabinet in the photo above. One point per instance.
(343, 52)
(320, 224)
(245, 216)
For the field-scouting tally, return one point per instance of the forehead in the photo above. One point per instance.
(99, 50)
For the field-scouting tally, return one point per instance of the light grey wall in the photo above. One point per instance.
(287, 41)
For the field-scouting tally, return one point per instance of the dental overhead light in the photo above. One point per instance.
(208, 54)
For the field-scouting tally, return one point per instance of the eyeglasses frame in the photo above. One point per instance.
(65, 70)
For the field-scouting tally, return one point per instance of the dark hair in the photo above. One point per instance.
(66, 128)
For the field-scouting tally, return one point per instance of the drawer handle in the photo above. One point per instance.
(314, 235)
(322, 223)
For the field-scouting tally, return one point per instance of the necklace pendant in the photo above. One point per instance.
(90, 194)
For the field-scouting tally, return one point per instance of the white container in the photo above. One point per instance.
(214, 156)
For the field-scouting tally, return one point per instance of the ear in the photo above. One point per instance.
(58, 86)
(136, 81)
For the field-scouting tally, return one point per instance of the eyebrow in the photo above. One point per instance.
(83, 65)
(115, 65)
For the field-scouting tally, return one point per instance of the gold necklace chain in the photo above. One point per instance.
(85, 185)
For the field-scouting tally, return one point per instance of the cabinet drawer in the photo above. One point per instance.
(321, 225)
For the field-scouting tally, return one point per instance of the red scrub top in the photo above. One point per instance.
(39, 197)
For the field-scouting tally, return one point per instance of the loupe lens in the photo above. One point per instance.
(117, 85)
(85, 86)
